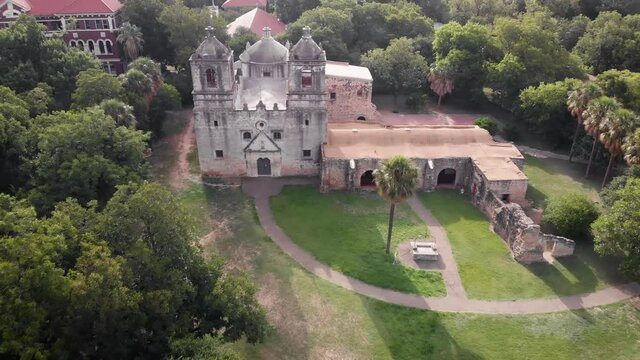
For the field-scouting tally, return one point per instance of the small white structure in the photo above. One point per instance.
(422, 250)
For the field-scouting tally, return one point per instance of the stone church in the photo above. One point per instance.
(285, 110)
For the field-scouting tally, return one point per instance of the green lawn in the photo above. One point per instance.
(313, 319)
(552, 177)
(348, 231)
(487, 269)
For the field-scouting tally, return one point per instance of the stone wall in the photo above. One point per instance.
(350, 99)
(523, 237)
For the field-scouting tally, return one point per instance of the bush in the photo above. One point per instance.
(488, 124)
(416, 102)
(570, 215)
(511, 132)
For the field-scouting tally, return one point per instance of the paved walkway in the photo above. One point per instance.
(455, 301)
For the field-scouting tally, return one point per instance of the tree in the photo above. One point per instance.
(14, 120)
(598, 112)
(631, 148)
(623, 85)
(290, 10)
(616, 232)
(396, 180)
(613, 133)
(480, 11)
(128, 281)
(333, 28)
(39, 99)
(167, 98)
(610, 42)
(94, 86)
(130, 37)
(532, 54)
(239, 40)
(544, 110)
(577, 102)
(487, 123)
(571, 30)
(145, 14)
(120, 112)
(186, 28)
(441, 82)
(137, 83)
(83, 155)
(570, 214)
(398, 68)
(463, 52)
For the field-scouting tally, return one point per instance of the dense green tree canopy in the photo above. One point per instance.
(617, 231)
(83, 155)
(480, 11)
(14, 121)
(463, 52)
(145, 14)
(532, 54)
(94, 86)
(624, 85)
(398, 68)
(121, 283)
(611, 42)
(570, 215)
(290, 10)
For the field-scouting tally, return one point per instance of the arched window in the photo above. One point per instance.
(101, 48)
(362, 118)
(211, 78)
(367, 179)
(72, 43)
(81, 44)
(246, 135)
(109, 47)
(92, 47)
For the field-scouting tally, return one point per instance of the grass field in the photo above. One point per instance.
(348, 232)
(552, 177)
(487, 269)
(313, 319)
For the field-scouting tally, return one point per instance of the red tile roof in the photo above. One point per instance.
(51, 7)
(256, 20)
(244, 3)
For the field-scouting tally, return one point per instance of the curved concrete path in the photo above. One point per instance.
(455, 301)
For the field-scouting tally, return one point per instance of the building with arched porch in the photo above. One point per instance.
(464, 157)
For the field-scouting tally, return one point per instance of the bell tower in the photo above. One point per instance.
(306, 85)
(212, 73)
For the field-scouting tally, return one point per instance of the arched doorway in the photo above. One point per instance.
(264, 167)
(362, 118)
(367, 179)
(447, 177)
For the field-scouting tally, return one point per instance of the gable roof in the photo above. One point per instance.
(256, 20)
(244, 3)
(51, 7)
(262, 143)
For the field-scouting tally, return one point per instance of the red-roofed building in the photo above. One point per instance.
(235, 4)
(91, 25)
(256, 20)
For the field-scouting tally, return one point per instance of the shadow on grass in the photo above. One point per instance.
(536, 196)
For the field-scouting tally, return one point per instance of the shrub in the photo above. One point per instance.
(416, 102)
(511, 132)
(570, 215)
(488, 124)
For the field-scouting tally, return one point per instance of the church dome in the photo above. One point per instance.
(211, 47)
(306, 48)
(265, 51)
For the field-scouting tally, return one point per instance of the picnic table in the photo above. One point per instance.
(423, 250)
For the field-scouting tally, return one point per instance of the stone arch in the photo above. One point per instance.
(362, 118)
(367, 179)
(447, 177)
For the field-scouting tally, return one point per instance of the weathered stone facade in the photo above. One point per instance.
(349, 96)
(265, 114)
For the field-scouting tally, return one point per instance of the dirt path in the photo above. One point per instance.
(455, 301)
(185, 143)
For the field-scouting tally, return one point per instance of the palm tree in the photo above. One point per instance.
(396, 179)
(597, 113)
(631, 148)
(613, 133)
(441, 83)
(130, 37)
(577, 103)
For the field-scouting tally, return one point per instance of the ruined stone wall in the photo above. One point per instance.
(523, 237)
(351, 99)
